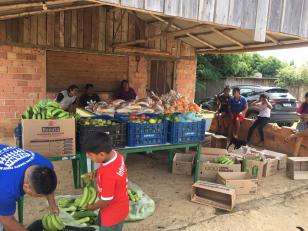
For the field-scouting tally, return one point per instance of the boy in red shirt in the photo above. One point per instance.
(111, 180)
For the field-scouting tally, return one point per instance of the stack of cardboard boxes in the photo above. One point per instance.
(218, 185)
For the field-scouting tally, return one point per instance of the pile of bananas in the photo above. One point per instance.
(224, 160)
(77, 207)
(45, 109)
(88, 197)
(52, 222)
(133, 196)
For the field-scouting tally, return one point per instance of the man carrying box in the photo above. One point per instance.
(23, 172)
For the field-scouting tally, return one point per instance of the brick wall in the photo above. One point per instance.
(22, 83)
(186, 78)
(138, 79)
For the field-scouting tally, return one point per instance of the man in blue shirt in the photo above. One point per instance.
(237, 109)
(23, 172)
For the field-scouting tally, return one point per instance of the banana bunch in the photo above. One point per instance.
(52, 222)
(45, 109)
(88, 196)
(133, 196)
(224, 160)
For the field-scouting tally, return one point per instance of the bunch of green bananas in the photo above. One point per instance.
(52, 222)
(224, 160)
(45, 109)
(88, 196)
(133, 196)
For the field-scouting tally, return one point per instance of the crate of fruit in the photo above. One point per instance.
(185, 128)
(114, 128)
(146, 130)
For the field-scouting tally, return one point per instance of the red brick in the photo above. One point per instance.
(9, 102)
(5, 48)
(22, 83)
(3, 69)
(9, 115)
(26, 56)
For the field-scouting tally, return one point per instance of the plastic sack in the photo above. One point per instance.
(67, 218)
(141, 209)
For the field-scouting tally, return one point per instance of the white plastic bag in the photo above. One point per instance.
(141, 209)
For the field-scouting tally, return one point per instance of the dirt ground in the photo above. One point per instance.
(281, 203)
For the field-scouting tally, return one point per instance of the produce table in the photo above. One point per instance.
(164, 147)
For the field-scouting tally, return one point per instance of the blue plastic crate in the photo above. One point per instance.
(186, 132)
(146, 134)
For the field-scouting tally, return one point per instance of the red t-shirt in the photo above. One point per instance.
(112, 185)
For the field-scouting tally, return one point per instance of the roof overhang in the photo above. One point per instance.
(206, 36)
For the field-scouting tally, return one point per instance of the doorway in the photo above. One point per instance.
(161, 78)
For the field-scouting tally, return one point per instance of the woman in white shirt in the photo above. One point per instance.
(263, 117)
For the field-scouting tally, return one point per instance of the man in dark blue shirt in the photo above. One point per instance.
(237, 109)
(23, 172)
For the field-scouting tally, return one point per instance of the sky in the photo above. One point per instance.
(299, 55)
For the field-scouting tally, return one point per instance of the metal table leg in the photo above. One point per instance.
(197, 163)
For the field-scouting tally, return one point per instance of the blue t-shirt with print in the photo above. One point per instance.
(237, 106)
(13, 164)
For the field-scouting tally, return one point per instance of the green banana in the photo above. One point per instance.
(84, 198)
(44, 221)
(92, 196)
(50, 224)
(39, 116)
(53, 104)
(63, 114)
(34, 117)
(56, 112)
(57, 223)
(49, 112)
(43, 115)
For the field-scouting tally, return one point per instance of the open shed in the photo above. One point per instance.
(47, 45)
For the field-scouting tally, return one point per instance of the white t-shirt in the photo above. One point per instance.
(67, 100)
(264, 111)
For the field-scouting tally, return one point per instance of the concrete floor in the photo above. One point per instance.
(281, 203)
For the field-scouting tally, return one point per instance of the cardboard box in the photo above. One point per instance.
(216, 195)
(214, 151)
(183, 163)
(282, 158)
(270, 167)
(208, 170)
(219, 141)
(297, 168)
(242, 182)
(252, 166)
(50, 138)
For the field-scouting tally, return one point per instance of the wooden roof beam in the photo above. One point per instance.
(24, 14)
(256, 47)
(188, 34)
(227, 37)
(34, 4)
(275, 41)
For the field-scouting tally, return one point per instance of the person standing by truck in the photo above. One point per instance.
(263, 118)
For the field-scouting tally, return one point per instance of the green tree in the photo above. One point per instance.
(292, 76)
(270, 66)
